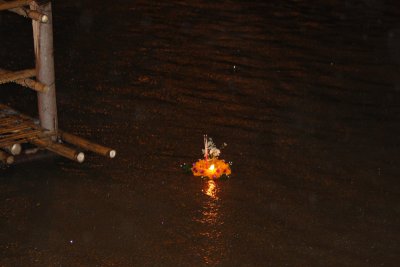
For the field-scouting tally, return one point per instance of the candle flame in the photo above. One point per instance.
(212, 167)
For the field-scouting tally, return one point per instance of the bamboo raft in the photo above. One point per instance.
(17, 129)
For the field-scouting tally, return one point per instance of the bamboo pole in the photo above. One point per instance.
(6, 158)
(60, 149)
(34, 85)
(43, 44)
(14, 149)
(87, 145)
(20, 136)
(35, 15)
(29, 83)
(14, 4)
(14, 128)
(11, 76)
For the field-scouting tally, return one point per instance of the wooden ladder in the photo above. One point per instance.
(17, 128)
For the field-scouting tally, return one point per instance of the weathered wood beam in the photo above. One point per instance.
(14, 4)
(87, 145)
(29, 83)
(16, 75)
(59, 149)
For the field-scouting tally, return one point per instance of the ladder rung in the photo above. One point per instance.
(14, 4)
(16, 75)
(27, 13)
(34, 85)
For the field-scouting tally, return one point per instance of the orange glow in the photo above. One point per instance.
(213, 171)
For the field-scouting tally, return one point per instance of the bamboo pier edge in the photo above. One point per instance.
(17, 129)
(87, 145)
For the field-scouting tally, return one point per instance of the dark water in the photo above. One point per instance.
(306, 95)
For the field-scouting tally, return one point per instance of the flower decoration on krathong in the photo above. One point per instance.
(211, 167)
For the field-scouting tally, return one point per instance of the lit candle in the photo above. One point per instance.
(212, 168)
(211, 171)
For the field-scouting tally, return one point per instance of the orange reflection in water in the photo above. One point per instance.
(211, 189)
(214, 250)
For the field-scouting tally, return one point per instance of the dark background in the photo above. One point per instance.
(305, 93)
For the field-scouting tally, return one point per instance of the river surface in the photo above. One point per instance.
(305, 94)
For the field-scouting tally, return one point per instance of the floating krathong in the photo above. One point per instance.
(211, 166)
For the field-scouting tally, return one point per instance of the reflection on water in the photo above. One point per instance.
(211, 218)
(211, 189)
